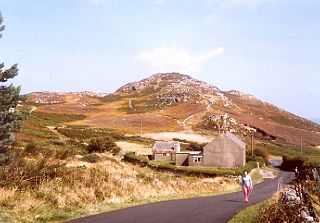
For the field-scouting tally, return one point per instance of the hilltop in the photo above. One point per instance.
(171, 102)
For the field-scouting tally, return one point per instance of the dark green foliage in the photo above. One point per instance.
(10, 120)
(31, 148)
(181, 140)
(260, 152)
(105, 144)
(140, 160)
(8, 156)
(1, 26)
(91, 158)
(193, 146)
(289, 163)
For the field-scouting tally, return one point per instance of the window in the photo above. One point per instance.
(197, 159)
(165, 154)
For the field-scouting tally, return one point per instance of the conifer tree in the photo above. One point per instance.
(10, 119)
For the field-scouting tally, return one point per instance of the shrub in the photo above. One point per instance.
(91, 158)
(9, 156)
(22, 173)
(101, 145)
(289, 163)
(63, 153)
(275, 211)
(262, 153)
(193, 146)
(181, 140)
(37, 148)
(31, 148)
(57, 142)
(132, 158)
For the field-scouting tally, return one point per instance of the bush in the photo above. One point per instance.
(34, 149)
(9, 156)
(57, 142)
(22, 173)
(91, 158)
(275, 211)
(193, 146)
(262, 153)
(132, 158)
(289, 163)
(63, 153)
(101, 145)
(31, 148)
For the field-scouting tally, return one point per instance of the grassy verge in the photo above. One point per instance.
(45, 192)
(248, 215)
(106, 206)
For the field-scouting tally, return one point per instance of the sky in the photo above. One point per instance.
(267, 48)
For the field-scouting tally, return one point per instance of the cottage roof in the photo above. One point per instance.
(235, 139)
(163, 145)
(222, 138)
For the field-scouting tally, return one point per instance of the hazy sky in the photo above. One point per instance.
(268, 48)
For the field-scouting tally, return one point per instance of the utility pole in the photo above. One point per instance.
(252, 144)
(300, 145)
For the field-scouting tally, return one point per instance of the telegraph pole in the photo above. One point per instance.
(252, 144)
(300, 145)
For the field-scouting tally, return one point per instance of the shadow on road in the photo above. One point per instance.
(234, 201)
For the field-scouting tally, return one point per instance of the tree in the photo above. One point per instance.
(10, 119)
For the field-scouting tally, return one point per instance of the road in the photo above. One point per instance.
(215, 209)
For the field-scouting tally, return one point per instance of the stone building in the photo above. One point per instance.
(163, 150)
(226, 150)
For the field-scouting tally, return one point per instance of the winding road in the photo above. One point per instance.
(215, 209)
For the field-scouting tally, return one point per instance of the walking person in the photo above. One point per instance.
(246, 185)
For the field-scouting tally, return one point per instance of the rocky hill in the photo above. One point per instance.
(172, 88)
(173, 102)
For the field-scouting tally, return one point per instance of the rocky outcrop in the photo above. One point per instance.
(171, 88)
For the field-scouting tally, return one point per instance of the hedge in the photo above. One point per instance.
(198, 171)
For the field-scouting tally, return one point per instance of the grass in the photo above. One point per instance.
(291, 151)
(35, 128)
(87, 133)
(58, 117)
(40, 188)
(248, 215)
(72, 191)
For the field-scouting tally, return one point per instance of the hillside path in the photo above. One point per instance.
(62, 138)
(214, 209)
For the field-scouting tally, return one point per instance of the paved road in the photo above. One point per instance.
(213, 209)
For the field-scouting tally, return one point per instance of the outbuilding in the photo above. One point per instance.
(165, 150)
